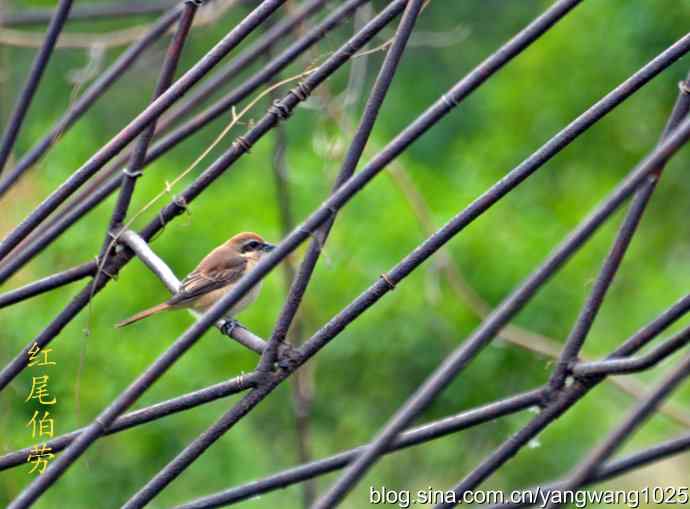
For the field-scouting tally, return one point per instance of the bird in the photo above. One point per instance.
(216, 274)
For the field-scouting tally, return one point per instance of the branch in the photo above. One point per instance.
(524, 338)
(612, 262)
(110, 39)
(133, 171)
(634, 364)
(587, 468)
(95, 90)
(9, 137)
(47, 283)
(279, 110)
(567, 397)
(144, 415)
(414, 436)
(88, 12)
(136, 126)
(166, 275)
(361, 136)
(99, 191)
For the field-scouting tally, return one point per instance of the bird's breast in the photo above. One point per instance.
(206, 301)
(247, 300)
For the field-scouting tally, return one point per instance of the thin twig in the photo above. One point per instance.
(138, 155)
(178, 205)
(92, 194)
(236, 117)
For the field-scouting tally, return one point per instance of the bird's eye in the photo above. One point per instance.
(252, 246)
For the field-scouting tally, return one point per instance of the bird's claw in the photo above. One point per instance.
(229, 326)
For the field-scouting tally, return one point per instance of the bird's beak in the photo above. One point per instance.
(268, 247)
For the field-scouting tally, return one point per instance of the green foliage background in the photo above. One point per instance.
(362, 377)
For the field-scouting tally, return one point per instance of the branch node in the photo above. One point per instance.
(349, 50)
(229, 326)
(279, 110)
(301, 91)
(161, 218)
(181, 202)
(242, 143)
(262, 377)
(388, 281)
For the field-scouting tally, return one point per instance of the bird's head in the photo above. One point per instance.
(250, 245)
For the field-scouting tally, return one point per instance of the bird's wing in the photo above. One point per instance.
(220, 268)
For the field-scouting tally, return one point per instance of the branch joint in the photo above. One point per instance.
(387, 279)
(278, 109)
(242, 143)
(301, 91)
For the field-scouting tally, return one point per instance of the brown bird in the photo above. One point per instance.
(215, 275)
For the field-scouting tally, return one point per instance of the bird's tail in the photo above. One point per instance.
(143, 314)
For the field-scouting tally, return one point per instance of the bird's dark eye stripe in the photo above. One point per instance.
(252, 245)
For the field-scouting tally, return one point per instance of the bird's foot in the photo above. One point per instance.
(229, 326)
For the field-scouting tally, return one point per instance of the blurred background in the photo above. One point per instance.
(355, 384)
